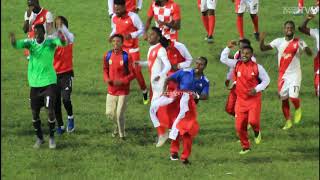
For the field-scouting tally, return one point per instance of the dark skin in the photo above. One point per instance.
(200, 65)
(246, 55)
(34, 6)
(173, 24)
(117, 48)
(120, 11)
(289, 32)
(303, 28)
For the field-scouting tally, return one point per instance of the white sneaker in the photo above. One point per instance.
(162, 139)
(52, 143)
(38, 143)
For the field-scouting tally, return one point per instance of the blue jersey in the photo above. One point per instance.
(187, 81)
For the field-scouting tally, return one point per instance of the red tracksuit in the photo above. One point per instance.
(115, 70)
(248, 108)
(124, 26)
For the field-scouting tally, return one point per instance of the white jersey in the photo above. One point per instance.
(160, 67)
(315, 34)
(293, 71)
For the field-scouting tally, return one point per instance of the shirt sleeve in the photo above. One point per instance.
(176, 75)
(314, 33)
(230, 73)
(275, 43)
(225, 59)
(113, 26)
(176, 13)
(138, 24)
(162, 54)
(205, 90)
(57, 42)
(49, 17)
(110, 7)
(24, 43)
(139, 4)
(264, 77)
(26, 18)
(69, 36)
(150, 11)
(187, 56)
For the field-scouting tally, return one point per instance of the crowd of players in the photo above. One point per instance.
(175, 87)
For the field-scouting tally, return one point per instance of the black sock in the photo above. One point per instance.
(145, 95)
(256, 133)
(51, 124)
(37, 128)
(68, 107)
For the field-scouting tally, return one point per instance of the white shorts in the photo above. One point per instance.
(251, 5)
(207, 5)
(290, 89)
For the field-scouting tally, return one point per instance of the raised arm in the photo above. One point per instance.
(110, 8)
(263, 46)
(303, 27)
(264, 77)
(224, 58)
(187, 56)
(138, 24)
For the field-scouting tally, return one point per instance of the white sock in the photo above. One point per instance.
(70, 117)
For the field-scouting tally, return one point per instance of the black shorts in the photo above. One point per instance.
(43, 96)
(64, 81)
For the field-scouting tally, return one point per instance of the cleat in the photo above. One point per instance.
(299, 12)
(174, 157)
(145, 98)
(162, 139)
(257, 36)
(288, 125)
(60, 130)
(297, 116)
(206, 38)
(257, 139)
(244, 151)
(210, 39)
(70, 125)
(52, 143)
(186, 162)
(38, 143)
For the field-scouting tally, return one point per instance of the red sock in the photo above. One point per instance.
(205, 23)
(255, 23)
(161, 130)
(300, 4)
(240, 26)
(295, 102)
(212, 22)
(286, 109)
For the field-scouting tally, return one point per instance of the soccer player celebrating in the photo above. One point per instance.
(131, 6)
(247, 75)
(64, 69)
(240, 7)
(207, 8)
(180, 103)
(117, 73)
(167, 17)
(166, 108)
(129, 25)
(36, 15)
(42, 78)
(315, 34)
(231, 101)
(178, 55)
(289, 78)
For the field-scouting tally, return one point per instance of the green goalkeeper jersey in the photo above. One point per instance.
(40, 68)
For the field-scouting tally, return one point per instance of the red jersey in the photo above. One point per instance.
(63, 59)
(40, 18)
(131, 24)
(178, 54)
(246, 76)
(169, 12)
(114, 69)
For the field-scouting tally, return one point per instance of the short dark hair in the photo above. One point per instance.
(64, 20)
(289, 22)
(204, 59)
(163, 40)
(40, 26)
(248, 47)
(118, 36)
(119, 2)
(245, 41)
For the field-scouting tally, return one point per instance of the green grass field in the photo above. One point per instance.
(91, 152)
